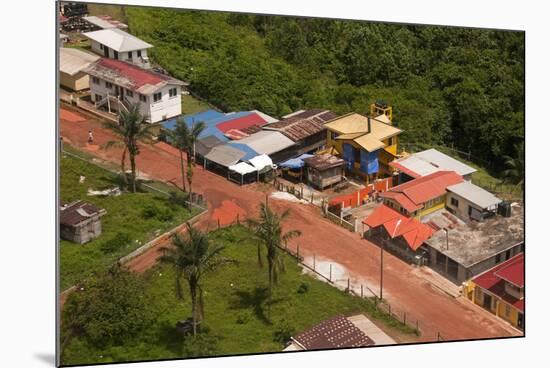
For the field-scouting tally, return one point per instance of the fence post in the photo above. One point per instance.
(219, 225)
(389, 308)
(404, 318)
(417, 330)
(314, 262)
(361, 290)
(330, 273)
(238, 221)
(349, 290)
(298, 251)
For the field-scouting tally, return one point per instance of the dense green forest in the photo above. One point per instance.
(456, 86)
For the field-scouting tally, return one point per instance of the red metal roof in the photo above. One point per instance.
(412, 194)
(494, 280)
(241, 123)
(513, 271)
(138, 76)
(396, 224)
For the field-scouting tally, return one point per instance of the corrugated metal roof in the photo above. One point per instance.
(267, 142)
(431, 160)
(413, 231)
(72, 61)
(493, 280)
(412, 194)
(475, 194)
(104, 22)
(130, 76)
(225, 155)
(324, 161)
(354, 123)
(337, 332)
(118, 40)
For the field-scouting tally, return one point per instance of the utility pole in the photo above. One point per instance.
(381, 267)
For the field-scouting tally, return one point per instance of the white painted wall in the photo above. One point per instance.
(124, 56)
(462, 209)
(154, 112)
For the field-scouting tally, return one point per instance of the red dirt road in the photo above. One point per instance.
(404, 286)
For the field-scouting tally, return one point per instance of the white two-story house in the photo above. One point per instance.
(116, 44)
(115, 81)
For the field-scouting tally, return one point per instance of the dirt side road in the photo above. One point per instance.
(404, 286)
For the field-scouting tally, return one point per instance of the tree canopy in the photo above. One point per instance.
(446, 84)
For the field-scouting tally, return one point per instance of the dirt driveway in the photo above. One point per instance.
(404, 286)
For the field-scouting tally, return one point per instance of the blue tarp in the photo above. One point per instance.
(295, 163)
(349, 155)
(249, 152)
(369, 162)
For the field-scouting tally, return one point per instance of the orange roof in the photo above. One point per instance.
(412, 194)
(413, 231)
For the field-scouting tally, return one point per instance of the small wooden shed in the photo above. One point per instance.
(324, 170)
(80, 221)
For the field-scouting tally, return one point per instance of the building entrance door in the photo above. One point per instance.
(487, 301)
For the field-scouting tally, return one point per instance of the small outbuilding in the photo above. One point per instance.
(72, 63)
(333, 333)
(324, 170)
(80, 222)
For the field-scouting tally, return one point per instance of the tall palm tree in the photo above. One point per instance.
(515, 166)
(131, 127)
(193, 257)
(268, 230)
(184, 139)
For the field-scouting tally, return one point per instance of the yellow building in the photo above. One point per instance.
(367, 144)
(500, 290)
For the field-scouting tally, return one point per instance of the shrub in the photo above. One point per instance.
(200, 346)
(283, 332)
(303, 288)
(178, 199)
(152, 210)
(120, 240)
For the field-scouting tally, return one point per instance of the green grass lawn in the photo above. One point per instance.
(126, 218)
(192, 105)
(235, 308)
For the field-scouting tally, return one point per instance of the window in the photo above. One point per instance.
(98, 98)
(101, 46)
(157, 96)
(497, 258)
(173, 92)
(116, 54)
(130, 55)
(390, 141)
(139, 53)
(95, 80)
(454, 202)
(143, 98)
(109, 85)
(333, 135)
(129, 93)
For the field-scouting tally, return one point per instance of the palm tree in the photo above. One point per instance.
(131, 127)
(268, 230)
(515, 167)
(193, 257)
(178, 138)
(184, 139)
